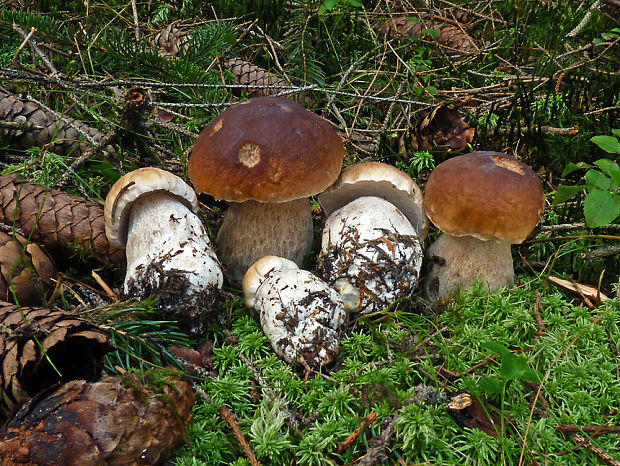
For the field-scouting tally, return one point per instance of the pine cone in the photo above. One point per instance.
(63, 220)
(75, 346)
(251, 75)
(107, 422)
(170, 40)
(38, 126)
(27, 267)
(451, 37)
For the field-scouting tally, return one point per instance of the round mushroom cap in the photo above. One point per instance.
(257, 273)
(487, 195)
(378, 179)
(135, 185)
(267, 149)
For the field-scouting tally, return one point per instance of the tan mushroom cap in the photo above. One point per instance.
(379, 180)
(134, 185)
(267, 149)
(487, 195)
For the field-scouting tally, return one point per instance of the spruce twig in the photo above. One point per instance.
(230, 419)
(28, 38)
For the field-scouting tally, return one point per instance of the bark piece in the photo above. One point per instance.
(27, 267)
(115, 421)
(56, 219)
(39, 127)
(75, 346)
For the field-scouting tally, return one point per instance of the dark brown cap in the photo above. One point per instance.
(266, 149)
(488, 195)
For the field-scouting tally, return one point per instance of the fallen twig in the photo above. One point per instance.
(352, 437)
(598, 451)
(230, 419)
(594, 430)
(28, 38)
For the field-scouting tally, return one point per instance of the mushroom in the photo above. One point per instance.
(265, 155)
(151, 213)
(300, 314)
(371, 249)
(483, 202)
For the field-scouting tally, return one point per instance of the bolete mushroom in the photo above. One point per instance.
(371, 249)
(300, 314)
(151, 213)
(265, 155)
(483, 202)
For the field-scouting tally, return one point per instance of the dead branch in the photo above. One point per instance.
(230, 419)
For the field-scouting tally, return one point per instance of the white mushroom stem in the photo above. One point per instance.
(370, 253)
(251, 230)
(456, 262)
(165, 236)
(300, 314)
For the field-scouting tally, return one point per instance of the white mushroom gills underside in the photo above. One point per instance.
(164, 232)
(370, 253)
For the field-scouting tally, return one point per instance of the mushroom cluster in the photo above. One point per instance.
(151, 213)
(483, 202)
(300, 314)
(371, 246)
(265, 155)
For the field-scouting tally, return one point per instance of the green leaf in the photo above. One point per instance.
(490, 385)
(607, 143)
(611, 168)
(564, 193)
(571, 167)
(497, 348)
(598, 179)
(355, 3)
(432, 90)
(430, 32)
(515, 367)
(616, 131)
(601, 207)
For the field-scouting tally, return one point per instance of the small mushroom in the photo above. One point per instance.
(265, 155)
(483, 202)
(300, 314)
(151, 213)
(371, 247)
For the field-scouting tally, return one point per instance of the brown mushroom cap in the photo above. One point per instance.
(266, 149)
(379, 180)
(488, 195)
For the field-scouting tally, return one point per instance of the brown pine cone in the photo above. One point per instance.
(170, 40)
(56, 219)
(451, 37)
(251, 75)
(38, 126)
(27, 267)
(112, 422)
(75, 346)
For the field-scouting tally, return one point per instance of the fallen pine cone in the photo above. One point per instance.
(36, 126)
(115, 421)
(455, 39)
(56, 219)
(75, 346)
(27, 268)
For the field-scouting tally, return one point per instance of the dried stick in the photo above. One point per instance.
(584, 22)
(352, 437)
(594, 430)
(229, 417)
(598, 451)
(600, 253)
(22, 45)
(136, 20)
(39, 52)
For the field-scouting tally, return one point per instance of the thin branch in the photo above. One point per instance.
(39, 52)
(230, 419)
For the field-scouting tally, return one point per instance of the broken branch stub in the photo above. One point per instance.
(115, 421)
(56, 219)
(74, 346)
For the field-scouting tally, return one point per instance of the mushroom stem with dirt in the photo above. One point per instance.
(265, 156)
(151, 213)
(371, 249)
(483, 202)
(300, 314)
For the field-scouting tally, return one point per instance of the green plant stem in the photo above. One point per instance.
(561, 238)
